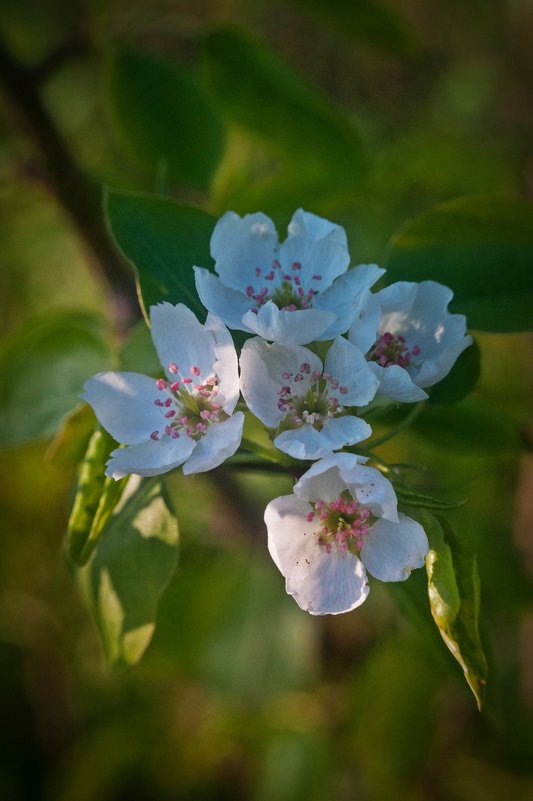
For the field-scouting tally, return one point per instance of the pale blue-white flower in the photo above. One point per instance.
(295, 292)
(340, 523)
(305, 402)
(185, 418)
(410, 338)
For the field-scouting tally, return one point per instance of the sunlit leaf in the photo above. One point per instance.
(162, 239)
(131, 565)
(453, 587)
(163, 117)
(266, 96)
(88, 492)
(482, 248)
(42, 371)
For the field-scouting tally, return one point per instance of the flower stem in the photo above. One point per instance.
(405, 423)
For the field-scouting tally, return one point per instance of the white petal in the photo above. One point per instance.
(151, 458)
(344, 297)
(240, 245)
(226, 365)
(319, 246)
(324, 480)
(372, 489)
(218, 444)
(392, 550)
(321, 583)
(306, 442)
(124, 405)
(180, 338)
(315, 228)
(419, 312)
(228, 304)
(363, 330)
(345, 430)
(433, 370)
(262, 368)
(290, 327)
(347, 364)
(396, 383)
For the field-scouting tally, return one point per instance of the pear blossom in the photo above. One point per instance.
(410, 339)
(295, 292)
(185, 418)
(340, 523)
(290, 390)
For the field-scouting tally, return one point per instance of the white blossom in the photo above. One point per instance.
(410, 338)
(295, 292)
(305, 402)
(185, 418)
(340, 523)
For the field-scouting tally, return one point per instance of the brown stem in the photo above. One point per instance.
(77, 196)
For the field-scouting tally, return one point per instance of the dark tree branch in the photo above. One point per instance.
(77, 196)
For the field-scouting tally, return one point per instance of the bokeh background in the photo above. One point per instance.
(368, 113)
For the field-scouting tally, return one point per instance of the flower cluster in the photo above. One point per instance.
(322, 346)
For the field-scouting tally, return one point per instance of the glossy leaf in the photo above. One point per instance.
(482, 248)
(162, 239)
(454, 595)
(128, 571)
(43, 369)
(163, 117)
(266, 96)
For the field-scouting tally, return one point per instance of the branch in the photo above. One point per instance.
(77, 196)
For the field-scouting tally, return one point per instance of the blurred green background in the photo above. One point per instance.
(368, 113)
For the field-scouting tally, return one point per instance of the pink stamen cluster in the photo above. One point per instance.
(392, 349)
(344, 524)
(284, 288)
(187, 407)
(315, 403)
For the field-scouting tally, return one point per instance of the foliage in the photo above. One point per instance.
(385, 119)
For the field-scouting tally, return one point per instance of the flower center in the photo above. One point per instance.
(391, 349)
(343, 524)
(285, 289)
(315, 406)
(188, 404)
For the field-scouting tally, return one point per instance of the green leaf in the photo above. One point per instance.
(453, 588)
(137, 352)
(421, 501)
(368, 22)
(463, 428)
(43, 368)
(162, 239)
(88, 492)
(264, 95)
(163, 117)
(482, 247)
(461, 380)
(131, 565)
